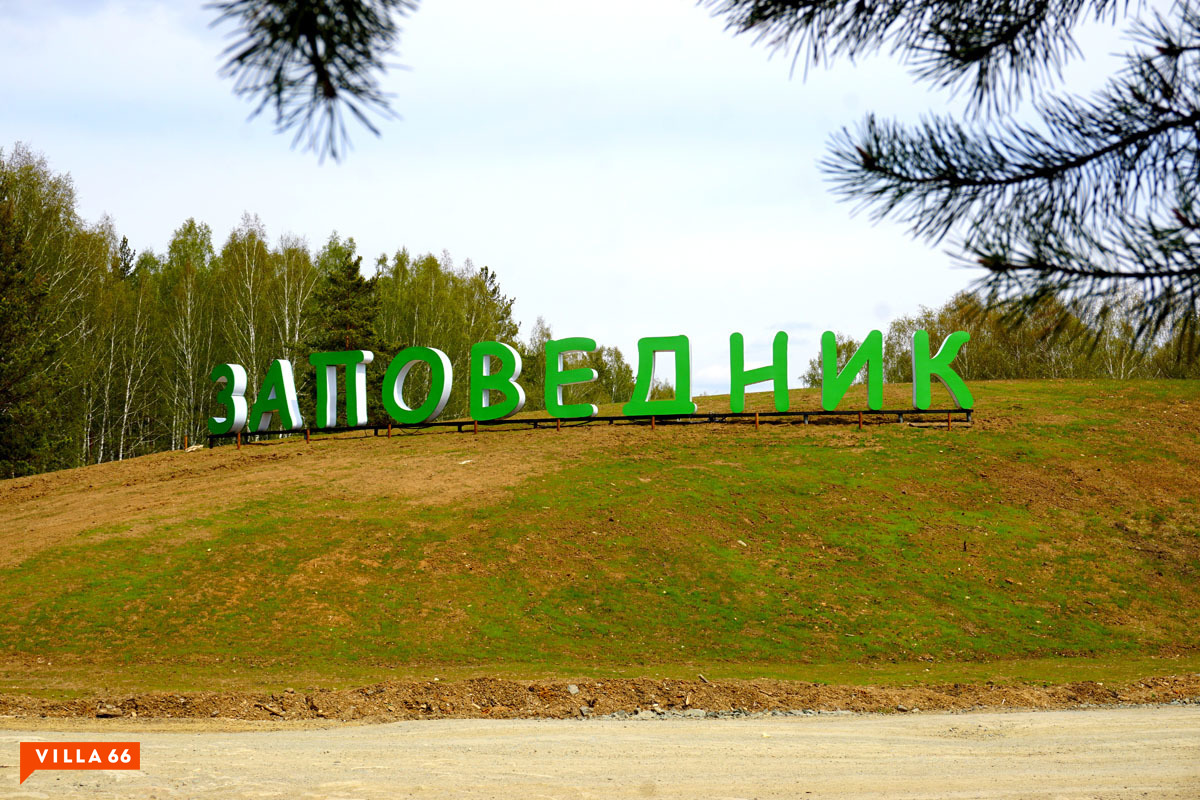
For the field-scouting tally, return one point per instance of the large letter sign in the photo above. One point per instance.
(557, 376)
(441, 377)
(277, 396)
(231, 393)
(834, 384)
(740, 377)
(484, 382)
(925, 367)
(495, 367)
(326, 365)
(648, 349)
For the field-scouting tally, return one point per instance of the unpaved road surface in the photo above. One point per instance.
(1095, 753)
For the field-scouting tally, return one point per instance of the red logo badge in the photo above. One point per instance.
(79, 755)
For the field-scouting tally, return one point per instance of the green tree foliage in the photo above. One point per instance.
(123, 260)
(533, 359)
(427, 301)
(1053, 342)
(614, 381)
(246, 287)
(346, 306)
(846, 348)
(345, 312)
(187, 297)
(614, 376)
(69, 263)
(1178, 357)
(24, 355)
(296, 278)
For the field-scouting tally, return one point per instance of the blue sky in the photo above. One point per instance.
(627, 167)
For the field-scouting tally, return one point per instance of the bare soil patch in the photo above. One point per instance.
(492, 698)
(131, 496)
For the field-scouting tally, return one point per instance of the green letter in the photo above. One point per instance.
(926, 367)
(557, 377)
(325, 365)
(441, 377)
(740, 377)
(834, 384)
(277, 395)
(231, 390)
(648, 349)
(484, 382)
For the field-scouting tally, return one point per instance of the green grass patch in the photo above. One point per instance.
(1053, 539)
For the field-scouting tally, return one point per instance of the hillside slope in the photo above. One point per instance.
(1065, 522)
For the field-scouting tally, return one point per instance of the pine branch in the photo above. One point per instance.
(1030, 171)
(1095, 199)
(995, 49)
(311, 60)
(1158, 262)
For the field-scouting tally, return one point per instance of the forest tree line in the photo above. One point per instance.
(1053, 341)
(105, 351)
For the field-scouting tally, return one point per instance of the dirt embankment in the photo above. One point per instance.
(508, 699)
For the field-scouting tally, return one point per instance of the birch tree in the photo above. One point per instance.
(245, 286)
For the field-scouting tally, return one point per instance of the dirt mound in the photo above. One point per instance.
(507, 699)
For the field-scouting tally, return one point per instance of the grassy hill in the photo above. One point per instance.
(1056, 537)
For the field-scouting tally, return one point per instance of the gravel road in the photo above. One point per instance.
(1095, 753)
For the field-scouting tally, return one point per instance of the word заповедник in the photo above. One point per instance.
(277, 394)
